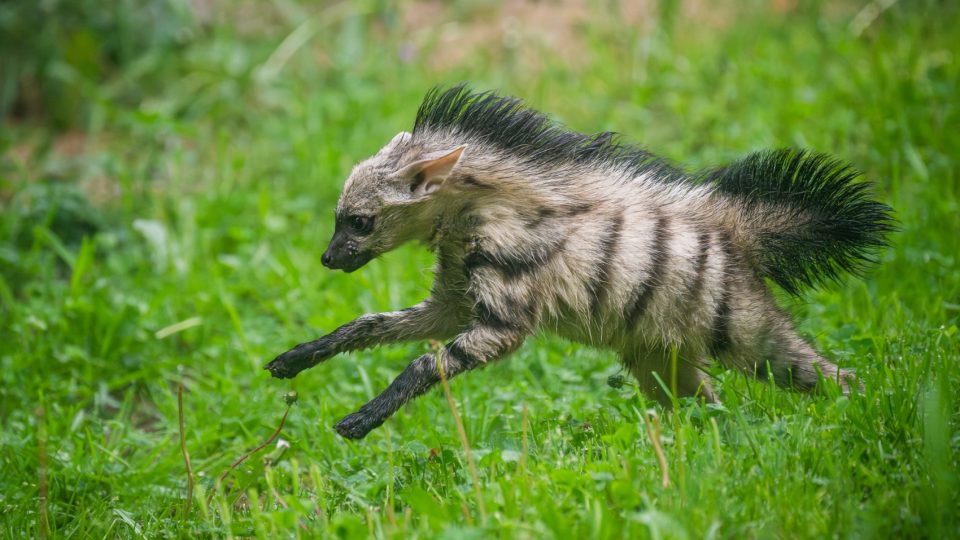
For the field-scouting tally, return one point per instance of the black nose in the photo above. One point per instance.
(325, 259)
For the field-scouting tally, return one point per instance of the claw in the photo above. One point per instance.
(297, 359)
(280, 369)
(285, 366)
(355, 426)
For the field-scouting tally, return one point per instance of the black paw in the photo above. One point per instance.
(297, 359)
(356, 426)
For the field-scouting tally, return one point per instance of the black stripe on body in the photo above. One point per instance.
(575, 210)
(720, 329)
(545, 213)
(467, 358)
(517, 319)
(513, 266)
(598, 284)
(643, 292)
(471, 181)
(542, 214)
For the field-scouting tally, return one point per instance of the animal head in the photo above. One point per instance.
(389, 199)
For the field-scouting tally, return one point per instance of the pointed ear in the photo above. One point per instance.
(428, 175)
(401, 137)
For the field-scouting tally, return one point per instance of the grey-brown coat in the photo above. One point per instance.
(537, 227)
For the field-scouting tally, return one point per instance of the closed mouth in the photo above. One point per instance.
(354, 263)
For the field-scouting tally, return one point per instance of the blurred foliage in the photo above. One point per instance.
(163, 208)
(57, 53)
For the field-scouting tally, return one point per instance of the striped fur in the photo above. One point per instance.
(537, 227)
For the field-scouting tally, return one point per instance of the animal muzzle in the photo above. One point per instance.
(344, 256)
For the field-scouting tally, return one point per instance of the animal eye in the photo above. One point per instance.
(361, 224)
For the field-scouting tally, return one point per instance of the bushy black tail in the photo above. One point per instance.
(803, 218)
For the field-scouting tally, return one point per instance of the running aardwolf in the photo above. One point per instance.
(539, 227)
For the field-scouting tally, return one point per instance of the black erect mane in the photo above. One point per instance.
(531, 136)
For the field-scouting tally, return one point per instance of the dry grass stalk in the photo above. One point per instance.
(290, 398)
(652, 423)
(463, 435)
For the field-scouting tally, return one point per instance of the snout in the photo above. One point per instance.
(348, 261)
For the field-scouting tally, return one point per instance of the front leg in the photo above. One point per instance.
(506, 309)
(480, 344)
(426, 320)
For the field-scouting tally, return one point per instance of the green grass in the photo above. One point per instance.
(209, 202)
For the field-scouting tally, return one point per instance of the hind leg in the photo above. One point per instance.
(691, 380)
(775, 349)
(795, 364)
